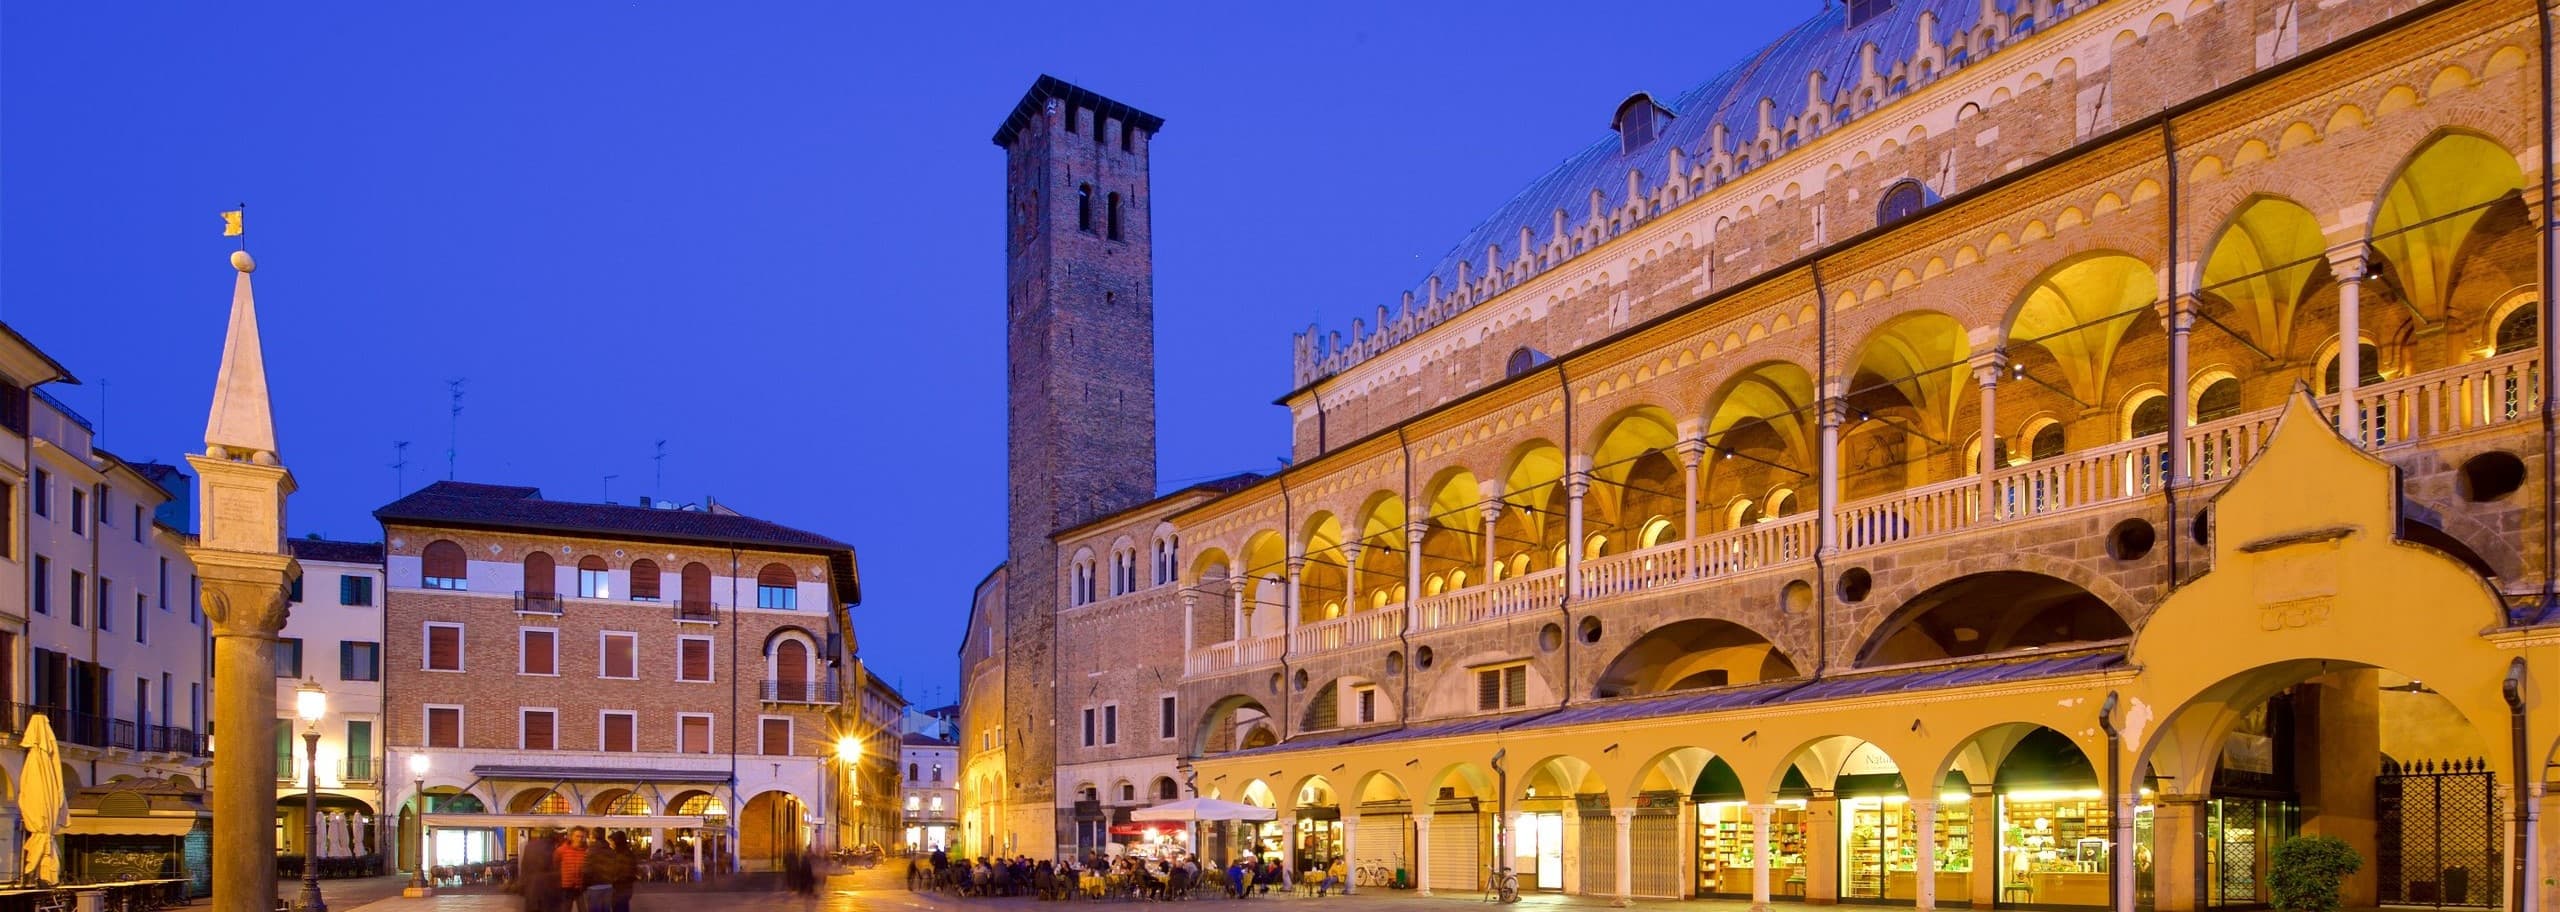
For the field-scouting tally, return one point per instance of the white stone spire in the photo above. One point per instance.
(242, 425)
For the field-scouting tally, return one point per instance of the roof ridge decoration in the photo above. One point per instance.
(1734, 122)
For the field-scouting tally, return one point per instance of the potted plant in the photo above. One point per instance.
(2305, 872)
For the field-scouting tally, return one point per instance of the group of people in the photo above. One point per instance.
(1173, 876)
(582, 870)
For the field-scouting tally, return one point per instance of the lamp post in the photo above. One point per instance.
(418, 885)
(848, 753)
(311, 703)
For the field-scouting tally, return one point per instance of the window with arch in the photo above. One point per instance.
(1080, 580)
(2149, 416)
(1111, 216)
(445, 567)
(2518, 330)
(595, 580)
(1128, 792)
(2047, 442)
(694, 587)
(1084, 207)
(1168, 559)
(1523, 360)
(777, 588)
(912, 770)
(1901, 201)
(541, 575)
(1166, 790)
(791, 666)
(2368, 368)
(2220, 399)
(644, 580)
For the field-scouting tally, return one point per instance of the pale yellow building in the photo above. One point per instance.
(1652, 547)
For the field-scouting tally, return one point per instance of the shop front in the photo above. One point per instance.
(1317, 837)
(1383, 842)
(1880, 848)
(1538, 849)
(2056, 833)
(1457, 856)
(1721, 860)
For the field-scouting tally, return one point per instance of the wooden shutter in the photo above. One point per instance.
(618, 656)
(1515, 685)
(444, 560)
(1489, 689)
(696, 733)
(617, 733)
(777, 738)
(541, 731)
(444, 727)
(541, 576)
(644, 579)
(791, 671)
(444, 648)
(777, 575)
(541, 652)
(693, 660)
(697, 585)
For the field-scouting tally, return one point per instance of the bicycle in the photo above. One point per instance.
(1502, 885)
(1378, 874)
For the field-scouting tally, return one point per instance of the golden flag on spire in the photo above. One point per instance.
(231, 223)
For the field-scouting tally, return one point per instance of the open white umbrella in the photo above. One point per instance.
(42, 806)
(1197, 809)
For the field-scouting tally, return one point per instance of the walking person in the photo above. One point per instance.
(536, 879)
(570, 859)
(614, 869)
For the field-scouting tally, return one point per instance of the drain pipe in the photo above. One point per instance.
(1501, 814)
(1412, 593)
(1289, 617)
(1572, 546)
(2178, 408)
(2550, 607)
(1827, 525)
(2117, 820)
(2518, 860)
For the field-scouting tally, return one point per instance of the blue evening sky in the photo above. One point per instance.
(769, 234)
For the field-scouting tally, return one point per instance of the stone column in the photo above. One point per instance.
(1822, 848)
(1289, 845)
(1350, 845)
(2182, 324)
(2347, 264)
(1422, 854)
(1413, 535)
(1626, 820)
(1986, 378)
(1290, 604)
(1692, 451)
(1985, 879)
(1924, 836)
(1190, 603)
(2177, 825)
(1577, 483)
(1830, 411)
(1492, 538)
(1351, 576)
(1239, 615)
(1760, 855)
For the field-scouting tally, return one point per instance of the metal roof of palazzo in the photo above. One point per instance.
(1772, 693)
(1777, 72)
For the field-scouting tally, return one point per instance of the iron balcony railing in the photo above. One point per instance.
(86, 729)
(356, 769)
(799, 691)
(170, 740)
(538, 603)
(695, 610)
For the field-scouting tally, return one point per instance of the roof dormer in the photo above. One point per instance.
(1638, 121)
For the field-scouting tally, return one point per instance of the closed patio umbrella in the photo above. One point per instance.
(42, 805)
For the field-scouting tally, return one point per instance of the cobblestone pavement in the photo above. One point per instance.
(884, 890)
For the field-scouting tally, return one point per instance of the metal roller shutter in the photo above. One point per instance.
(1379, 840)
(1661, 861)
(1599, 855)
(1457, 859)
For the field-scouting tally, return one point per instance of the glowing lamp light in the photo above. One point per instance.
(418, 765)
(310, 702)
(848, 748)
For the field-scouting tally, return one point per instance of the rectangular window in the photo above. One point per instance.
(137, 522)
(619, 655)
(355, 590)
(780, 598)
(538, 651)
(293, 591)
(79, 598)
(164, 584)
(195, 599)
(693, 658)
(1368, 698)
(595, 584)
(359, 660)
(444, 647)
(43, 492)
(360, 750)
(693, 733)
(444, 726)
(106, 606)
(1164, 719)
(79, 511)
(44, 585)
(1111, 724)
(141, 618)
(1503, 687)
(540, 730)
(618, 731)
(1088, 726)
(289, 657)
(774, 737)
(195, 706)
(8, 520)
(285, 759)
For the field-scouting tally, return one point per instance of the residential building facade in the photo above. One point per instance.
(561, 663)
(1971, 452)
(333, 639)
(928, 793)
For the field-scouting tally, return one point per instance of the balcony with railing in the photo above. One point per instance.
(358, 769)
(539, 603)
(94, 730)
(695, 611)
(822, 692)
(2391, 414)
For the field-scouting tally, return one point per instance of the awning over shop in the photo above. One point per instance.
(87, 825)
(608, 821)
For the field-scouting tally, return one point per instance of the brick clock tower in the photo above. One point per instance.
(1081, 389)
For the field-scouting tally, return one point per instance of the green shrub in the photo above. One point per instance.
(2305, 872)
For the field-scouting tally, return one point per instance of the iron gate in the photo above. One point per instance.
(2439, 842)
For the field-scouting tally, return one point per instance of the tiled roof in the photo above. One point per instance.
(924, 740)
(513, 507)
(342, 552)
(1773, 693)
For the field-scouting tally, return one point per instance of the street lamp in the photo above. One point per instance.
(311, 703)
(848, 753)
(418, 881)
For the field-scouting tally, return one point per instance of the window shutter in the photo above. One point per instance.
(540, 575)
(695, 660)
(359, 739)
(347, 661)
(541, 652)
(644, 579)
(444, 728)
(617, 733)
(1515, 685)
(444, 648)
(697, 585)
(284, 748)
(777, 738)
(445, 560)
(1111, 725)
(696, 732)
(618, 656)
(1489, 689)
(539, 732)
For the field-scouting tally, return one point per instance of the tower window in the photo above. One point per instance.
(1124, 137)
(1523, 360)
(1084, 207)
(1071, 118)
(1111, 216)
(1901, 201)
